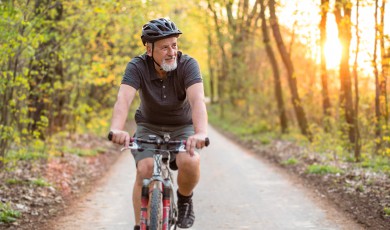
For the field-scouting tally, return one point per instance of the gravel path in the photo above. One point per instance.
(237, 191)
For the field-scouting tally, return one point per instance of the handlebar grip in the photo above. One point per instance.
(110, 136)
(207, 141)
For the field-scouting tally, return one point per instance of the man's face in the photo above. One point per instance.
(165, 53)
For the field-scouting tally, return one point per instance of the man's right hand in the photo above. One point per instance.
(120, 137)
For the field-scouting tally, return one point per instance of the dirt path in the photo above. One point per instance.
(237, 191)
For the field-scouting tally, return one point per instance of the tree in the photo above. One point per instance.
(326, 106)
(223, 74)
(342, 13)
(45, 69)
(275, 70)
(292, 80)
(381, 107)
(60, 66)
(357, 147)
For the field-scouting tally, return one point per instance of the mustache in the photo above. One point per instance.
(170, 58)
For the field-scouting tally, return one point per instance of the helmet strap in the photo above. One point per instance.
(153, 58)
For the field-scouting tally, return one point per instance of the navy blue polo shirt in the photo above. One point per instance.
(163, 102)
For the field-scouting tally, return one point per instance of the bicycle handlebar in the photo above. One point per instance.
(158, 141)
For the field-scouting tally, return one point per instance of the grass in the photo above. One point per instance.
(14, 181)
(40, 182)
(7, 214)
(378, 164)
(25, 155)
(290, 161)
(322, 169)
(245, 129)
(81, 152)
(387, 211)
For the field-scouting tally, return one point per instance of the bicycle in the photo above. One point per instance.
(162, 206)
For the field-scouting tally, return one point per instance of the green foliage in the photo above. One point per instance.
(80, 151)
(7, 214)
(61, 66)
(290, 161)
(62, 63)
(377, 163)
(13, 181)
(34, 150)
(40, 182)
(322, 169)
(387, 211)
(331, 144)
(235, 123)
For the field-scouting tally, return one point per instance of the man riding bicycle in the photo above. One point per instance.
(170, 87)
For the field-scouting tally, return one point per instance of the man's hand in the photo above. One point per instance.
(120, 137)
(195, 141)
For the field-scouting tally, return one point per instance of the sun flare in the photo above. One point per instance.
(332, 53)
(332, 45)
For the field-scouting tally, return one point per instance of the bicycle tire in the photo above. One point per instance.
(155, 210)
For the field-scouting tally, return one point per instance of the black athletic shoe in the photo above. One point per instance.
(186, 217)
(137, 227)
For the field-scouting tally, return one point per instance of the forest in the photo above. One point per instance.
(310, 71)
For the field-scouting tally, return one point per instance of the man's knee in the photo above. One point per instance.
(186, 162)
(144, 169)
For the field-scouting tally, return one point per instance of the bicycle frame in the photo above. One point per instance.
(161, 180)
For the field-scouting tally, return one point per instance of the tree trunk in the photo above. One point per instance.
(223, 75)
(211, 69)
(385, 66)
(381, 110)
(326, 106)
(275, 70)
(356, 79)
(292, 81)
(383, 105)
(343, 19)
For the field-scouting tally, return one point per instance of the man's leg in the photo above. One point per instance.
(189, 172)
(188, 177)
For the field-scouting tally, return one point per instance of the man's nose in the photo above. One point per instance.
(171, 51)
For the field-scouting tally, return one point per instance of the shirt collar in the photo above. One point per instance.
(154, 75)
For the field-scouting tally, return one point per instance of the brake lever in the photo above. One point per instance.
(132, 146)
(182, 148)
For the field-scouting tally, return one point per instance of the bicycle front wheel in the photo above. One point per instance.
(156, 210)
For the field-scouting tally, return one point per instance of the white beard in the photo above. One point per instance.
(168, 67)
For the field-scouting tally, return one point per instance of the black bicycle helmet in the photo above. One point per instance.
(158, 29)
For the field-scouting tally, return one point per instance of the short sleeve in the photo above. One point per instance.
(131, 76)
(191, 73)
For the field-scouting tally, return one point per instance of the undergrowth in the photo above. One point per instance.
(331, 145)
(322, 169)
(7, 214)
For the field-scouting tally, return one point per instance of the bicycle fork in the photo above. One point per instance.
(144, 207)
(166, 203)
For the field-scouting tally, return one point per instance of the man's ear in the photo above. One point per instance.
(149, 49)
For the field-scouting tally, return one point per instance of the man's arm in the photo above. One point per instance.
(125, 97)
(195, 95)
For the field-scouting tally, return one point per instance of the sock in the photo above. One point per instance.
(182, 197)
